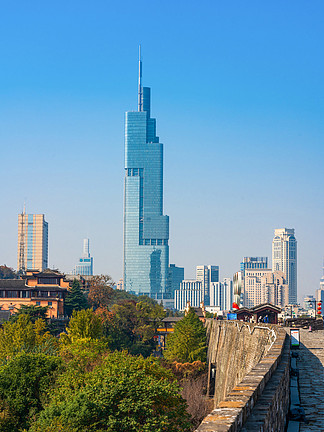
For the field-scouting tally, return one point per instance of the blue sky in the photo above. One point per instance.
(237, 90)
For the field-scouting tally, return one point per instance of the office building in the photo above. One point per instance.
(146, 229)
(190, 290)
(85, 263)
(284, 258)
(221, 294)
(322, 279)
(32, 242)
(176, 276)
(264, 286)
(254, 263)
(120, 285)
(207, 274)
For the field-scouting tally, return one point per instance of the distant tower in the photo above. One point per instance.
(146, 228)
(85, 263)
(21, 240)
(207, 274)
(32, 242)
(284, 258)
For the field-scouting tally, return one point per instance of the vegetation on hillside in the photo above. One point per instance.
(99, 374)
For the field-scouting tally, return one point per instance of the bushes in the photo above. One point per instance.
(24, 382)
(123, 393)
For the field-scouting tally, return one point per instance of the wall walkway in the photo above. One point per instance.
(250, 363)
(310, 363)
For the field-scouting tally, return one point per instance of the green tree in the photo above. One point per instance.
(187, 343)
(25, 336)
(132, 326)
(34, 312)
(23, 385)
(123, 393)
(75, 299)
(84, 324)
(101, 290)
(7, 273)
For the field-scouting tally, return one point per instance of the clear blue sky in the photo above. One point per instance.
(237, 91)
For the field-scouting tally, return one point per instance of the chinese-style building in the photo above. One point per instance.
(266, 313)
(47, 288)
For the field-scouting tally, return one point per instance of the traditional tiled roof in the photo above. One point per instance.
(12, 284)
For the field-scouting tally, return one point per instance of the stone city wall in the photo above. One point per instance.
(250, 364)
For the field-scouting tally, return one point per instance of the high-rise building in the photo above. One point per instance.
(284, 258)
(146, 229)
(85, 263)
(320, 291)
(322, 279)
(32, 242)
(176, 276)
(265, 286)
(190, 291)
(221, 294)
(207, 274)
(254, 263)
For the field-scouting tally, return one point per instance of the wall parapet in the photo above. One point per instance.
(260, 400)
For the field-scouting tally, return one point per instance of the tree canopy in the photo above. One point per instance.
(187, 343)
(23, 335)
(24, 382)
(84, 324)
(132, 326)
(7, 273)
(34, 312)
(100, 291)
(75, 299)
(123, 393)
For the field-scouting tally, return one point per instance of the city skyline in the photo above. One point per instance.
(238, 93)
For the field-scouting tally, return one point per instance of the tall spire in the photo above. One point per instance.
(140, 88)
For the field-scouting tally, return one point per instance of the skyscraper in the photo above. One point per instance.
(284, 258)
(146, 229)
(254, 263)
(207, 274)
(32, 242)
(176, 276)
(85, 263)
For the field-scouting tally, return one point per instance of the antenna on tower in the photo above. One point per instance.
(22, 242)
(140, 88)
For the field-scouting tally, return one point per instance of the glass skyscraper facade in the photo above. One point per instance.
(85, 263)
(146, 229)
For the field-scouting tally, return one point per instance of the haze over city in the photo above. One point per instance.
(237, 92)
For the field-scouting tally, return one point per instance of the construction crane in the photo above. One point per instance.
(21, 266)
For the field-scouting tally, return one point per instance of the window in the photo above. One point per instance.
(48, 281)
(49, 303)
(38, 303)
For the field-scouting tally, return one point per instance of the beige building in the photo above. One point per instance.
(32, 242)
(284, 258)
(265, 286)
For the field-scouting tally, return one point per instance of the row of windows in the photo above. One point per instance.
(134, 172)
(153, 242)
(29, 294)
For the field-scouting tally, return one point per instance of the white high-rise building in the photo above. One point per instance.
(284, 258)
(207, 274)
(190, 290)
(85, 263)
(221, 294)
